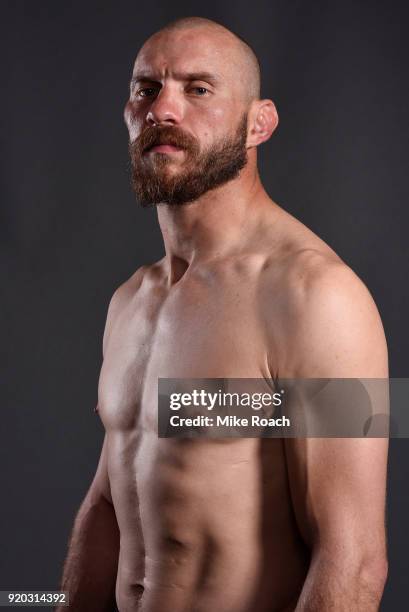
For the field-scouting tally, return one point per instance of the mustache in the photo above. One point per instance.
(154, 135)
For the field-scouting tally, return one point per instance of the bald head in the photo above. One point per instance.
(238, 50)
(194, 114)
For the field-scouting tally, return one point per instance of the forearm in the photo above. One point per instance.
(90, 569)
(342, 584)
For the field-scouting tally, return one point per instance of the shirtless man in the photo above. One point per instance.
(243, 291)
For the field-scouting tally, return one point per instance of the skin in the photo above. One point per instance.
(244, 290)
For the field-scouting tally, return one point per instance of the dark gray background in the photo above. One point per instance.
(71, 231)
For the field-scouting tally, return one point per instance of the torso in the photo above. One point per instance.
(205, 524)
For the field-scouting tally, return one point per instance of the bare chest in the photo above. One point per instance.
(193, 332)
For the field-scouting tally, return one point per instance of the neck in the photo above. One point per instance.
(212, 226)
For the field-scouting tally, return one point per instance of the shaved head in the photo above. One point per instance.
(240, 50)
(194, 113)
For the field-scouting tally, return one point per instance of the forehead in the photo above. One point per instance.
(189, 50)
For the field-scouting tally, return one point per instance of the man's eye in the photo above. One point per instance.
(146, 92)
(201, 91)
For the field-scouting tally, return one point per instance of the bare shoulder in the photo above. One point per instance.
(318, 282)
(127, 291)
(330, 324)
(310, 271)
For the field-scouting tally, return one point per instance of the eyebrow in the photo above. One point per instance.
(182, 76)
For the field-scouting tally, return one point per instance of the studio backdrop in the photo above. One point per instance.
(72, 232)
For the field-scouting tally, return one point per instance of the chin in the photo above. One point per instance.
(170, 170)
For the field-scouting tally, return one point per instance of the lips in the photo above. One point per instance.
(163, 148)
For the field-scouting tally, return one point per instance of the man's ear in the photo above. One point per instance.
(263, 120)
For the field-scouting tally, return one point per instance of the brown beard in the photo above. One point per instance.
(215, 166)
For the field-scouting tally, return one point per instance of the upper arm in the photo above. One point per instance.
(100, 486)
(333, 327)
(337, 484)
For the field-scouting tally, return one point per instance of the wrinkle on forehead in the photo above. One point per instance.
(201, 48)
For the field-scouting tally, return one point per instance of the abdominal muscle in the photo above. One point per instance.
(205, 526)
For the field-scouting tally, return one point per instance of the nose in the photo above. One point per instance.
(166, 108)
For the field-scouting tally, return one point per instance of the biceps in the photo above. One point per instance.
(338, 488)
